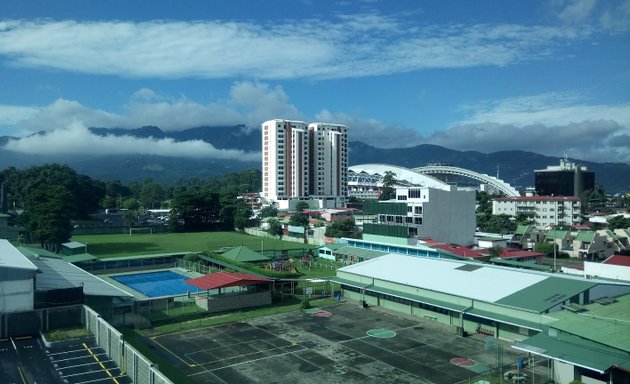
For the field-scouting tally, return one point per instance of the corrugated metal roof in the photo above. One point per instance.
(10, 257)
(488, 283)
(606, 324)
(244, 254)
(546, 293)
(587, 236)
(575, 350)
(56, 274)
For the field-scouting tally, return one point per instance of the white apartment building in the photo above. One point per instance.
(543, 210)
(303, 162)
(329, 164)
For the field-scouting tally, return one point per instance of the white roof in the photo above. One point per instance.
(402, 173)
(486, 283)
(10, 257)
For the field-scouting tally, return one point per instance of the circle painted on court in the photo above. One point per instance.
(322, 314)
(463, 362)
(381, 333)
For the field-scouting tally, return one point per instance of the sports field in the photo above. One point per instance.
(337, 344)
(104, 246)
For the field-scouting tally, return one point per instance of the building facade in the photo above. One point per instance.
(543, 210)
(304, 162)
(567, 179)
(446, 215)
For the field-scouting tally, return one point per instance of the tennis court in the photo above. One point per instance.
(157, 284)
(338, 344)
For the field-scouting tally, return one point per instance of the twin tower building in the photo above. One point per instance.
(304, 163)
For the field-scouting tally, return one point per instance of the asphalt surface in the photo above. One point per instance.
(27, 361)
(307, 348)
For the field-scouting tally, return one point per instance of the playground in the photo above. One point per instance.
(341, 343)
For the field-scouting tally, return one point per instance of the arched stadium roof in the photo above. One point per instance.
(401, 173)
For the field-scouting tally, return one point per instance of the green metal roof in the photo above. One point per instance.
(575, 350)
(521, 229)
(519, 322)
(556, 235)
(606, 324)
(79, 257)
(546, 294)
(586, 236)
(244, 254)
(33, 252)
(404, 295)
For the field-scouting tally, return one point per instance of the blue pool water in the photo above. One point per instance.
(155, 284)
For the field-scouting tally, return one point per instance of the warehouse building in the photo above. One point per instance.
(475, 298)
(589, 343)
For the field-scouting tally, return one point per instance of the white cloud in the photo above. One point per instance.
(551, 124)
(577, 11)
(248, 103)
(348, 46)
(372, 131)
(76, 139)
(551, 109)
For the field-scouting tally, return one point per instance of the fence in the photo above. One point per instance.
(261, 233)
(131, 362)
(194, 266)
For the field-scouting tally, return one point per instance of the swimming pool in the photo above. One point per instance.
(155, 284)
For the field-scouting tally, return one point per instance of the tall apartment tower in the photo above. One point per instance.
(303, 162)
(329, 161)
(285, 162)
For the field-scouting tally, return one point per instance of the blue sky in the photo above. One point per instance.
(547, 76)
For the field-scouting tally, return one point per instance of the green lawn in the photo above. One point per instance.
(119, 245)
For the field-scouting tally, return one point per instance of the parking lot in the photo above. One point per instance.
(26, 360)
(338, 344)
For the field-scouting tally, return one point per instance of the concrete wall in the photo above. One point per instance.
(16, 296)
(608, 271)
(227, 302)
(449, 216)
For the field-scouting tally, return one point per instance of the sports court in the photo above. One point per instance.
(337, 344)
(157, 284)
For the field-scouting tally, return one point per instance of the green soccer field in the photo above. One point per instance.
(104, 246)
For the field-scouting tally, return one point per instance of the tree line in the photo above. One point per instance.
(47, 200)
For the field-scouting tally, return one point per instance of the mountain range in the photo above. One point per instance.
(514, 167)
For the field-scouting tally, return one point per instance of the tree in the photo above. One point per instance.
(301, 206)
(343, 228)
(275, 228)
(617, 222)
(151, 195)
(388, 190)
(299, 219)
(196, 210)
(495, 251)
(269, 211)
(47, 216)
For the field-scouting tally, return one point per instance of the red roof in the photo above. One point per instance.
(539, 198)
(507, 253)
(223, 280)
(618, 260)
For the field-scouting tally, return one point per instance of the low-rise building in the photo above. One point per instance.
(446, 215)
(544, 211)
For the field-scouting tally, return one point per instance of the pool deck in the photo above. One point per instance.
(139, 295)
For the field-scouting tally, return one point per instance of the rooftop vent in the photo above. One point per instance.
(469, 267)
